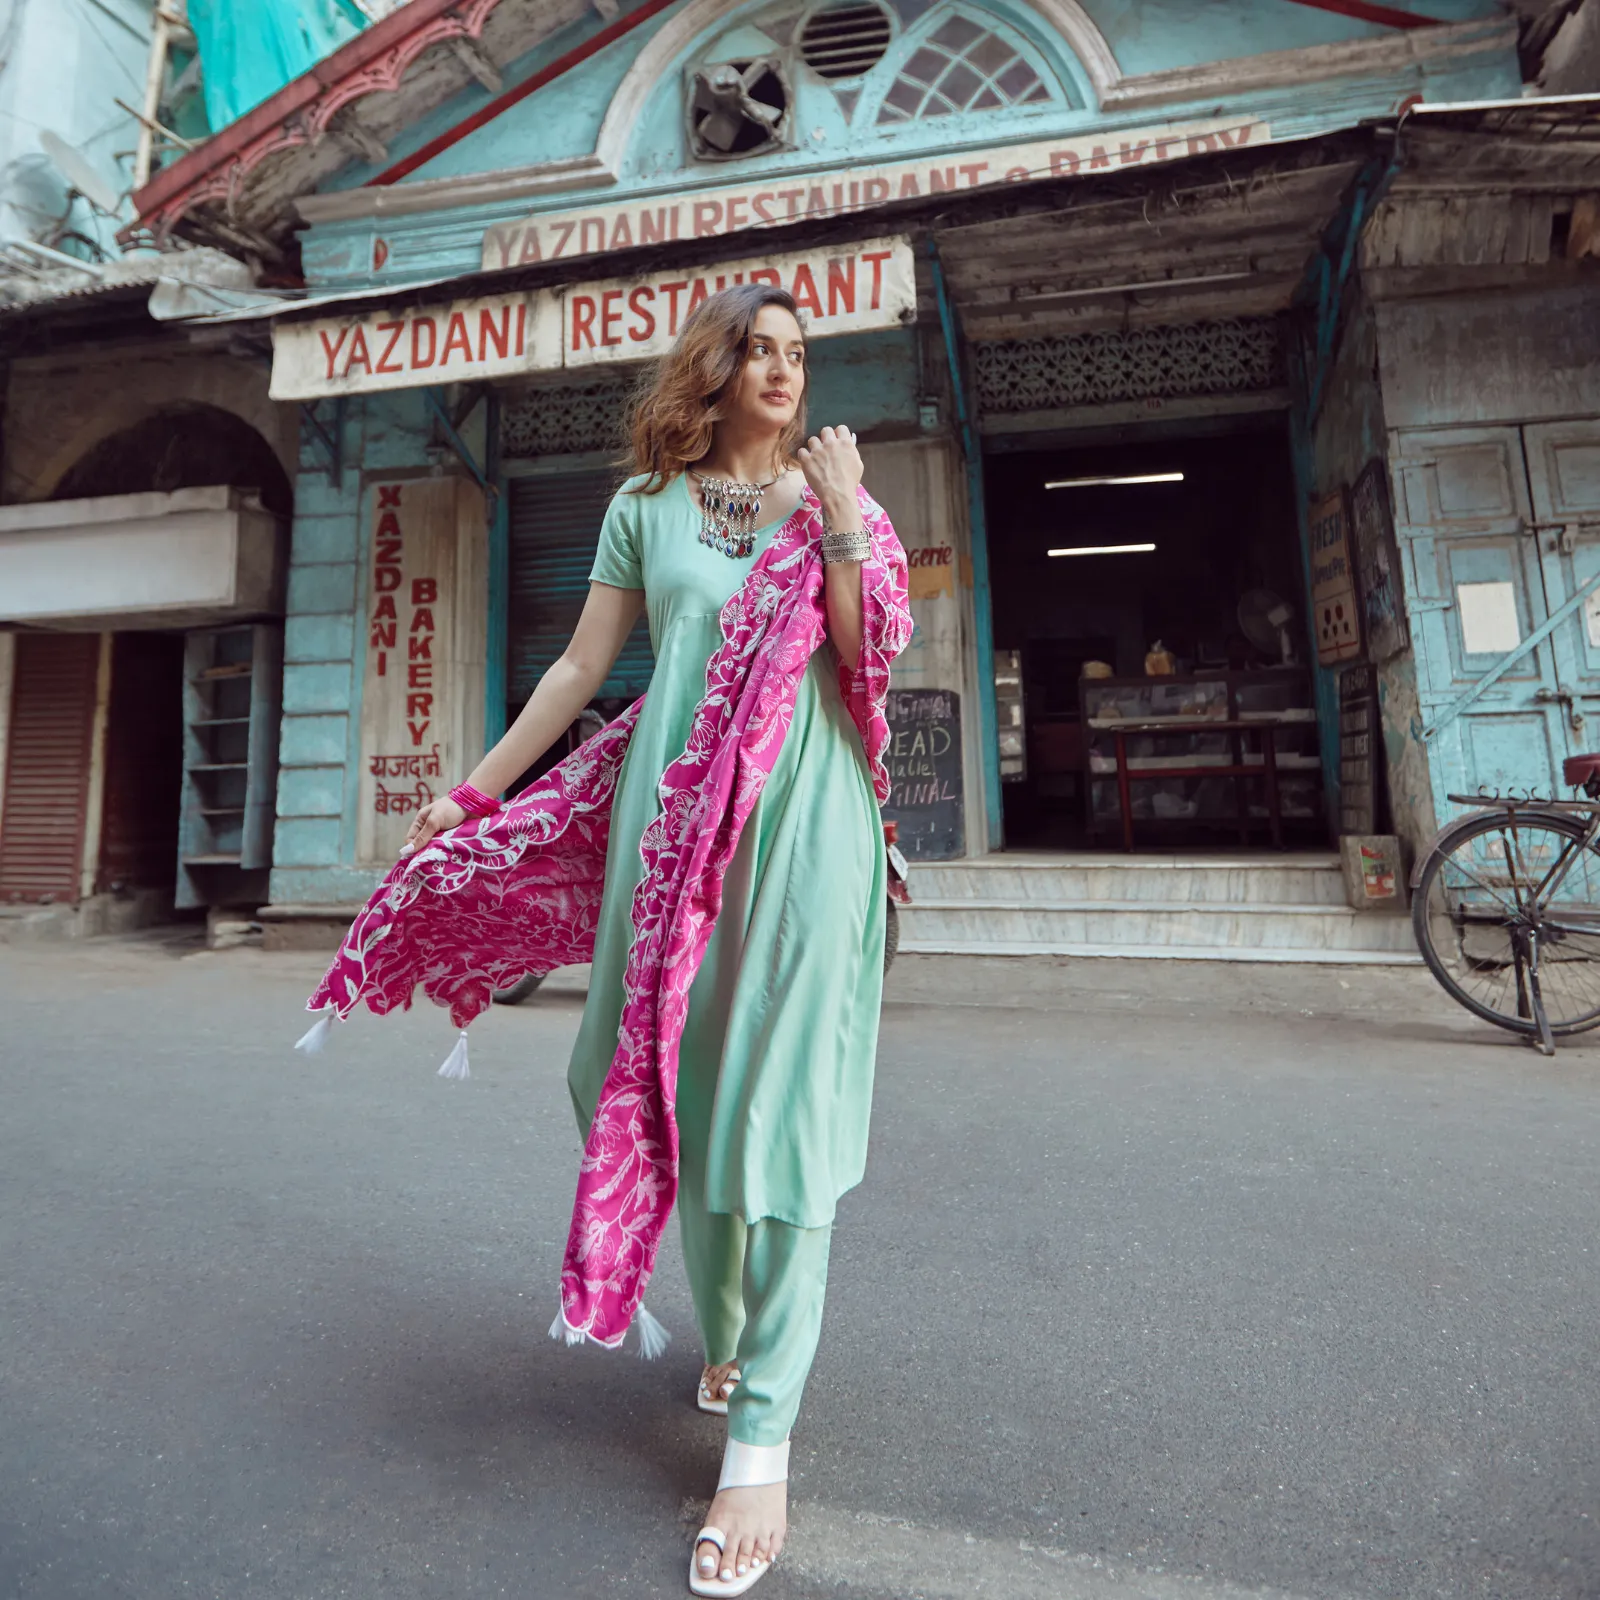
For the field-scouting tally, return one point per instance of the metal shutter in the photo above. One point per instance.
(555, 527)
(47, 766)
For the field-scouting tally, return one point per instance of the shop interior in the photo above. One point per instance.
(1149, 624)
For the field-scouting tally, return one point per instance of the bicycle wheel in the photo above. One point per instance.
(1514, 889)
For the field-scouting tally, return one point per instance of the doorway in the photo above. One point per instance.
(1146, 582)
(1500, 528)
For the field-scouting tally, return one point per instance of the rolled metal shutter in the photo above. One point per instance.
(47, 766)
(555, 527)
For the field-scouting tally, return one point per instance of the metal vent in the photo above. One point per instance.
(845, 41)
(738, 108)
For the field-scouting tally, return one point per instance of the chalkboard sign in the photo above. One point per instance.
(1359, 736)
(1377, 563)
(924, 761)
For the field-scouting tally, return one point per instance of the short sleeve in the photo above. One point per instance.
(616, 559)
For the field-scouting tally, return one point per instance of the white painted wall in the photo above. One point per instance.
(192, 555)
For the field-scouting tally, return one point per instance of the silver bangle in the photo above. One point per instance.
(855, 545)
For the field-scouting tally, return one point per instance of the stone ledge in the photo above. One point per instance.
(304, 927)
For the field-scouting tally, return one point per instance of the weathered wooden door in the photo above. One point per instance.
(1564, 475)
(1478, 586)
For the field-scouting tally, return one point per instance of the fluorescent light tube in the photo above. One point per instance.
(1105, 550)
(1104, 483)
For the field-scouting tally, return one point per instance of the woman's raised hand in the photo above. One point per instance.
(832, 466)
(433, 818)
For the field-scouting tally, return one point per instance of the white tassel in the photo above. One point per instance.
(316, 1036)
(455, 1064)
(653, 1338)
(559, 1329)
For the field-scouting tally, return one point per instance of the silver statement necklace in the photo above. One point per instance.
(728, 513)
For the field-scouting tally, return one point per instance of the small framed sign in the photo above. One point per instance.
(1335, 617)
(1377, 564)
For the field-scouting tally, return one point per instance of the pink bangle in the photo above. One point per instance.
(474, 801)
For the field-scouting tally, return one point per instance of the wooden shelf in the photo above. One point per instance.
(1205, 708)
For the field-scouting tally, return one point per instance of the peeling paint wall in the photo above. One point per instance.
(314, 847)
(58, 407)
(1349, 431)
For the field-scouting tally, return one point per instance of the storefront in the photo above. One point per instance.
(143, 557)
(1031, 253)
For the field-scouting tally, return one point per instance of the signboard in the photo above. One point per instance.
(847, 288)
(1376, 558)
(924, 761)
(426, 618)
(777, 200)
(1334, 615)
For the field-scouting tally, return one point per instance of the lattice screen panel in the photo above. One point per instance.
(569, 419)
(1232, 356)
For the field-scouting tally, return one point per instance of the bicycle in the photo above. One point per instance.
(1506, 909)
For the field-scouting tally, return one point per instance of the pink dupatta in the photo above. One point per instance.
(519, 892)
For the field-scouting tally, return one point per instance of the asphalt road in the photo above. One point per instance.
(1165, 1282)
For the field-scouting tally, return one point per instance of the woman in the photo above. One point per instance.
(736, 995)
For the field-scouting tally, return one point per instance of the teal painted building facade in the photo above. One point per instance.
(996, 363)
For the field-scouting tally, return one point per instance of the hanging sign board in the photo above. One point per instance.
(1376, 558)
(1334, 615)
(426, 618)
(847, 288)
(777, 200)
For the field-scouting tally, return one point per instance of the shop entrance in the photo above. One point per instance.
(1152, 590)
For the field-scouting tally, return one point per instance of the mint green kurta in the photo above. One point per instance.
(775, 1072)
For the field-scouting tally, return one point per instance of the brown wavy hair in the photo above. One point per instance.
(676, 407)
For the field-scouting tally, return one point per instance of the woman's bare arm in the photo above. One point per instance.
(571, 682)
(832, 466)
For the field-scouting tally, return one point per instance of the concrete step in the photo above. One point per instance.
(1318, 956)
(966, 922)
(1312, 880)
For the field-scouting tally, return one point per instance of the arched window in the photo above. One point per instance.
(962, 66)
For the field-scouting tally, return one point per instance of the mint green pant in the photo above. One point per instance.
(757, 1289)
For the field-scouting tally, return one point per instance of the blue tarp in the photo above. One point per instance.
(250, 48)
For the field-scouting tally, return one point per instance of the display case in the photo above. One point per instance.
(1191, 752)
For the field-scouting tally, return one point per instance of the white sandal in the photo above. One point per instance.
(709, 1402)
(744, 1466)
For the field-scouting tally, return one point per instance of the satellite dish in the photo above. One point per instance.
(72, 165)
(1264, 620)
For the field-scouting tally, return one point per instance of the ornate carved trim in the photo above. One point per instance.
(568, 418)
(308, 123)
(1229, 356)
(679, 32)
